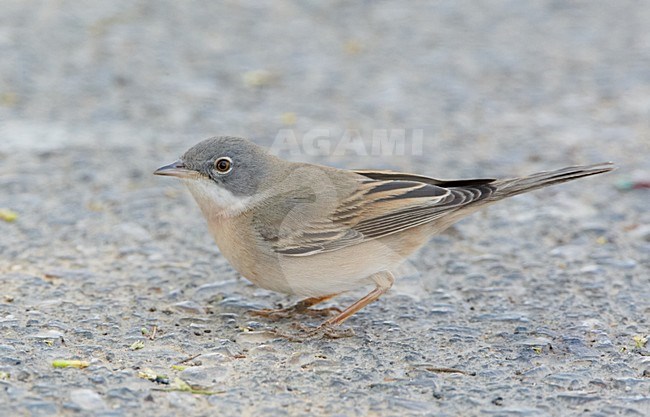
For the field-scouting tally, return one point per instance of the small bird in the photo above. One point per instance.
(317, 231)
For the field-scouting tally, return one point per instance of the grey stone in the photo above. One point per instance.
(203, 377)
(189, 307)
(87, 399)
(41, 408)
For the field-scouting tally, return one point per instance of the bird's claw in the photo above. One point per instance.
(305, 333)
(288, 312)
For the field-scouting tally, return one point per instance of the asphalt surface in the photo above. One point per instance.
(536, 306)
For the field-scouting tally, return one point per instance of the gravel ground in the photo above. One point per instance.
(541, 303)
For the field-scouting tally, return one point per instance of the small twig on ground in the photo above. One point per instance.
(154, 329)
(189, 359)
(446, 370)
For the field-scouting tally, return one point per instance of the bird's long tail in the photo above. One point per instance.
(510, 187)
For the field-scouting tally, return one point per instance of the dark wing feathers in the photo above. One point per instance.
(405, 218)
(389, 203)
(399, 176)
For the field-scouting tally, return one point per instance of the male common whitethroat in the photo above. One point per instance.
(317, 231)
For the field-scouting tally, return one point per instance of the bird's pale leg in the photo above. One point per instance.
(301, 307)
(384, 281)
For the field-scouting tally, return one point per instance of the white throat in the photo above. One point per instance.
(216, 201)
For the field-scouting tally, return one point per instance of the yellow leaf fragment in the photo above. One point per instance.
(639, 341)
(180, 385)
(137, 345)
(8, 215)
(147, 374)
(64, 363)
(153, 376)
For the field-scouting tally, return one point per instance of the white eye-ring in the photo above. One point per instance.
(223, 165)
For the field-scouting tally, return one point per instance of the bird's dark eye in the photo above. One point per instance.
(223, 165)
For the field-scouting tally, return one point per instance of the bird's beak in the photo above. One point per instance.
(175, 169)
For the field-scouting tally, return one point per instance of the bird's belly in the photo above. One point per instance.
(307, 276)
(337, 271)
(318, 274)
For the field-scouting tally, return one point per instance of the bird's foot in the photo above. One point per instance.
(305, 333)
(324, 331)
(275, 314)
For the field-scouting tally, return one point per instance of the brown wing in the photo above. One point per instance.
(383, 203)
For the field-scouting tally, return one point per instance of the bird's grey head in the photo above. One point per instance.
(223, 172)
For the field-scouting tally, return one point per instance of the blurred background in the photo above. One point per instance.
(503, 82)
(542, 301)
